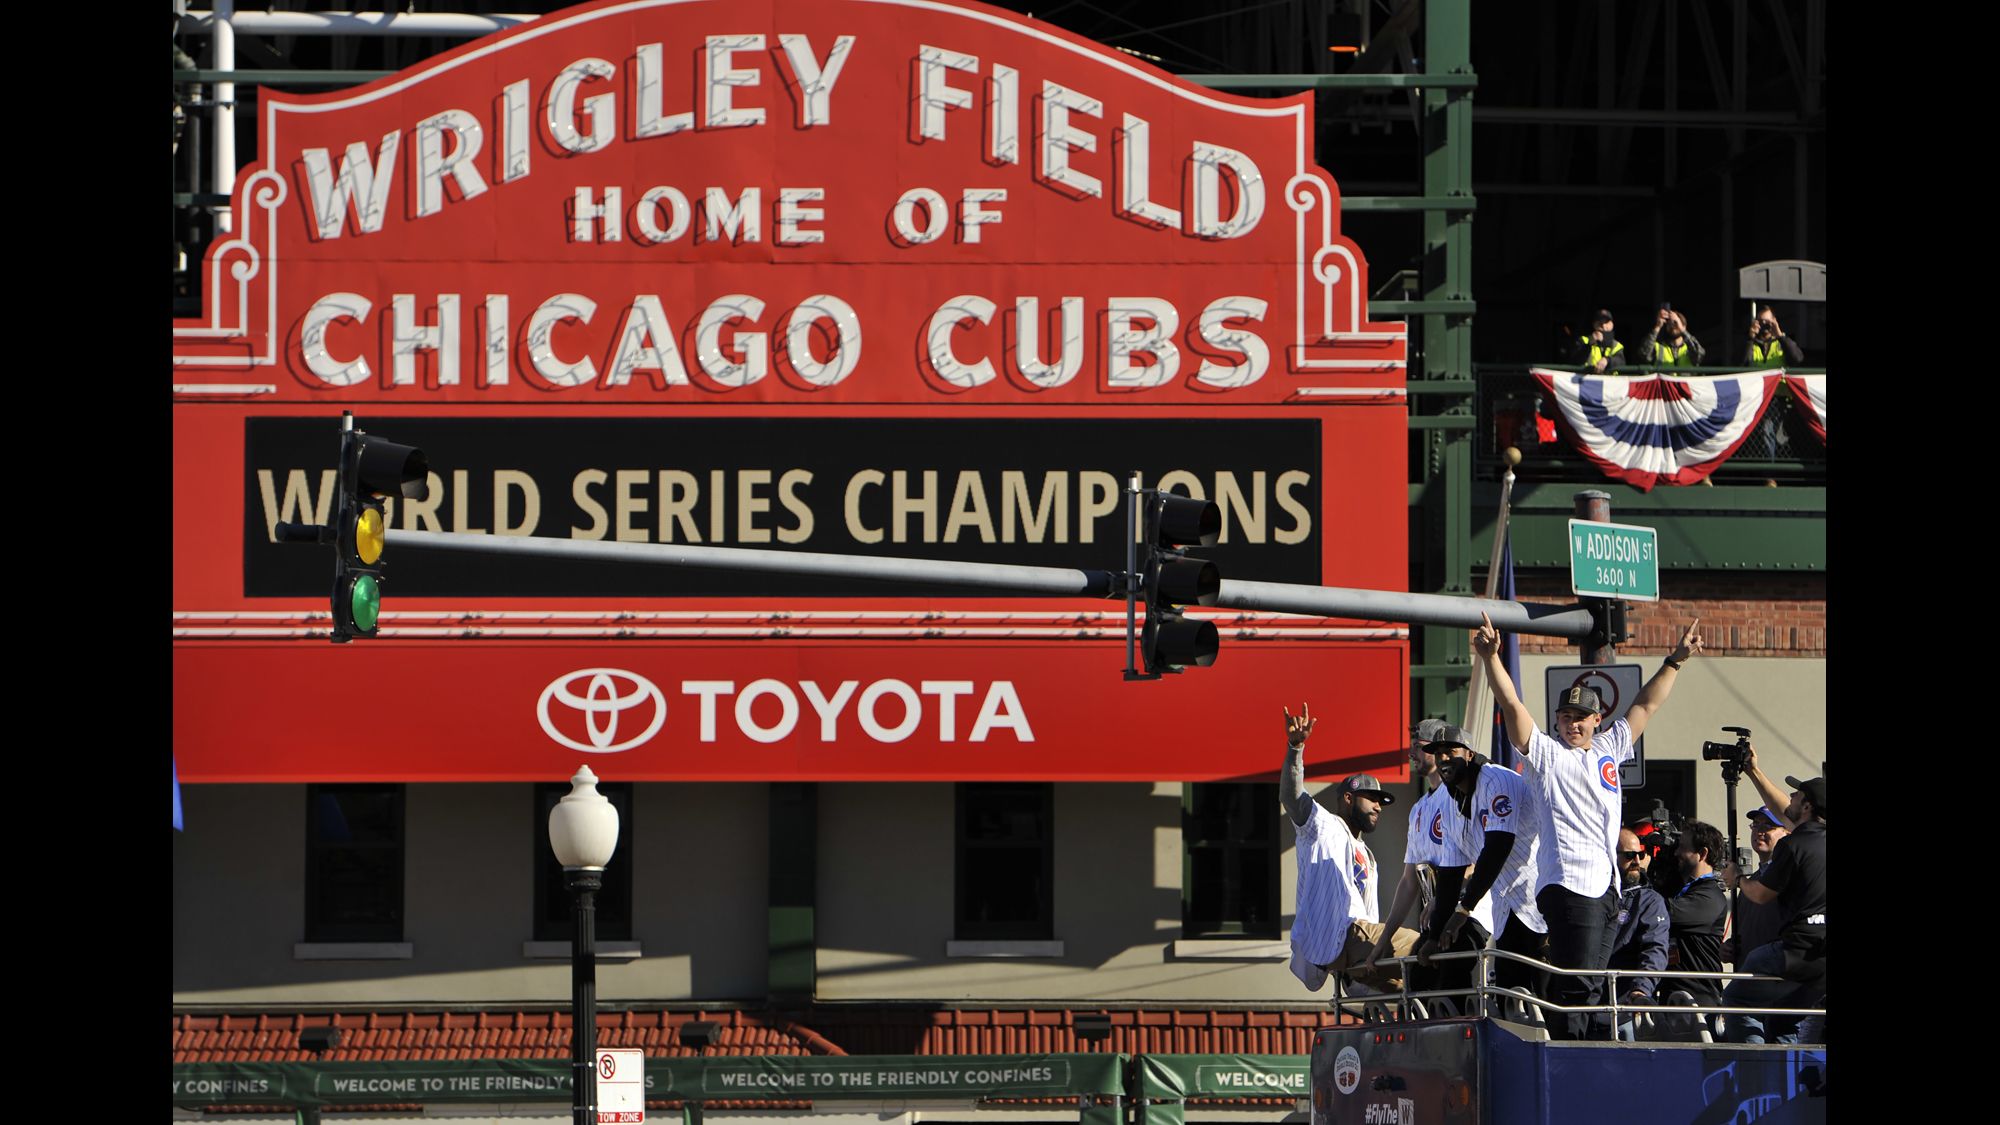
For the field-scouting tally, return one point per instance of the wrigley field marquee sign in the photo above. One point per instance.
(890, 277)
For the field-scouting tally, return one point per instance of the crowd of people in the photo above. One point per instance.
(1668, 343)
(1534, 861)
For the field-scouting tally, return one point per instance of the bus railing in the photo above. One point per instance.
(1487, 998)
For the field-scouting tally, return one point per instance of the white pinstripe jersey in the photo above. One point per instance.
(1434, 820)
(1337, 882)
(1581, 805)
(1438, 837)
(1505, 802)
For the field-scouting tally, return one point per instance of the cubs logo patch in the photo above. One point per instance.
(1437, 827)
(1607, 773)
(1503, 806)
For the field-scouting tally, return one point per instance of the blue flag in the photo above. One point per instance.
(177, 795)
(1510, 651)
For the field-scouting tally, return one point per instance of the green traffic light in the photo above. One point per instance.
(365, 602)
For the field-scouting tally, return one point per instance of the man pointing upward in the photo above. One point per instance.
(1576, 883)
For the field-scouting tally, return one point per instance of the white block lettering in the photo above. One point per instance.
(599, 110)
(1255, 352)
(1127, 341)
(788, 710)
(1059, 137)
(912, 711)
(934, 96)
(408, 337)
(815, 78)
(708, 690)
(965, 306)
(752, 350)
(541, 348)
(722, 81)
(361, 182)
(312, 339)
(434, 164)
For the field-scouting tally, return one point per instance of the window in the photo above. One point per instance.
(354, 863)
(554, 916)
(1229, 859)
(1006, 861)
(1672, 784)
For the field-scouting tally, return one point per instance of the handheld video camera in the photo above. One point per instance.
(1660, 833)
(1666, 832)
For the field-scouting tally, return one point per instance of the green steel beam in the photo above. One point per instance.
(1772, 530)
(1441, 387)
(1445, 310)
(1406, 203)
(1441, 672)
(1453, 306)
(1554, 497)
(1756, 543)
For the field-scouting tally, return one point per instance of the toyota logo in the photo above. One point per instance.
(607, 693)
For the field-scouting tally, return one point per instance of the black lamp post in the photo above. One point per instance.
(583, 832)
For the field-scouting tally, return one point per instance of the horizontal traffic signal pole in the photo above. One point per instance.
(991, 576)
(1569, 621)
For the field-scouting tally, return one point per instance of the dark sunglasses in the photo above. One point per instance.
(1622, 856)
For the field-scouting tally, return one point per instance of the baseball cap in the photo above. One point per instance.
(1368, 784)
(1770, 817)
(1815, 790)
(1448, 736)
(1581, 698)
(1427, 729)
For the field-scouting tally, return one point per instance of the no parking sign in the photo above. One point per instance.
(1617, 685)
(621, 1086)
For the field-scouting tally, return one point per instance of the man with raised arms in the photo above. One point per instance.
(1576, 775)
(1336, 922)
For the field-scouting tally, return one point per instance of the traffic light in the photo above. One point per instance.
(370, 469)
(1170, 579)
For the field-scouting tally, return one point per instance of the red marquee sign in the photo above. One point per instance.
(866, 276)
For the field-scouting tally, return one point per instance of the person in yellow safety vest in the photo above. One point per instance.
(1600, 351)
(1769, 346)
(1669, 343)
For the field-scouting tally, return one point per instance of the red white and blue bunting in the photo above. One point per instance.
(1658, 429)
(1809, 391)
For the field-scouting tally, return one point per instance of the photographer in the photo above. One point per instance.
(1769, 346)
(1795, 880)
(1755, 923)
(1668, 343)
(1600, 351)
(1698, 911)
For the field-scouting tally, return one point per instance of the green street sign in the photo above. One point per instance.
(1614, 560)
